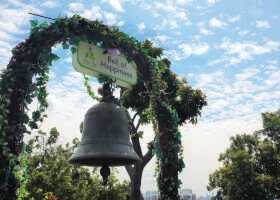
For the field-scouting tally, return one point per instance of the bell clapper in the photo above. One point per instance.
(105, 173)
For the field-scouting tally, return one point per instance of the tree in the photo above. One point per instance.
(251, 165)
(50, 176)
(186, 102)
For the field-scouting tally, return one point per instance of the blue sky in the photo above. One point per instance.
(229, 49)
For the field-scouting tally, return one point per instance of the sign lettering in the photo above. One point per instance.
(91, 60)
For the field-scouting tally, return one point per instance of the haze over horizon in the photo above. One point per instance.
(228, 49)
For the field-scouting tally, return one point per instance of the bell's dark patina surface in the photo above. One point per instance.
(105, 140)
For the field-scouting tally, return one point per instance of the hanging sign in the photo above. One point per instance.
(91, 60)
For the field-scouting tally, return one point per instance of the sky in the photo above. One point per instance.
(228, 49)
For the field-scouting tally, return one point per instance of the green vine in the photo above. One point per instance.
(26, 76)
(21, 172)
(27, 73)
(168, 148)
(89, 89)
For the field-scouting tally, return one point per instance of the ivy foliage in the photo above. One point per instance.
(171, 103)
(26, 76)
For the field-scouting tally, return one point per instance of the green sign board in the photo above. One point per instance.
(91, 60)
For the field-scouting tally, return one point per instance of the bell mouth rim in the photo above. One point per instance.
(102, 153)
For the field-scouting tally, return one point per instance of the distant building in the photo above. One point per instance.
(207, 197)
(193, 197)
(151, 195)
(185, 194)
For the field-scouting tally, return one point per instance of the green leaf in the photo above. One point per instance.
(44, 25)
(140, 134)
(65, 45)
(73, 50)
(34, 23)
(36, 115)
(52, 57)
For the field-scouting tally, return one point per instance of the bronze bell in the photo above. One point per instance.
(105, 140)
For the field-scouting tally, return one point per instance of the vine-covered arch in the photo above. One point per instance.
(26, 76)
